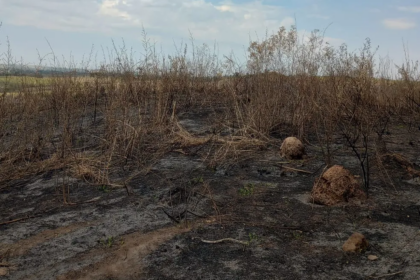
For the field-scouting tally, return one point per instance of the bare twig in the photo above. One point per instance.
(16, 220)
(297, 170)
(386, 275)
(223, 240)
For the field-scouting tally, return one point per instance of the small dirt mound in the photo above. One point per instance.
(292, 148)
(336, 185)
(356, 243)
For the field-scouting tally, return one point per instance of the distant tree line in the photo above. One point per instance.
(39, 73)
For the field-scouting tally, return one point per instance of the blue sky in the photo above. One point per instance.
(73, 26)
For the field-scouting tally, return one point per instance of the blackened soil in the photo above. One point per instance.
(177, 221)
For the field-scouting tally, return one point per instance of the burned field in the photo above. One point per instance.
(180, 172)
(175, 221)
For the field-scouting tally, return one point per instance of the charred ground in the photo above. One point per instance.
(172, 170)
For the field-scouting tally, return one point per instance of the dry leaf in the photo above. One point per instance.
(3, 271)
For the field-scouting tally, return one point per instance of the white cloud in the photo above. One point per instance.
(225, 21)
(110, 8)
(70, 15)
(230, 24)
(410, 9)
(398, 24)
(224, 8)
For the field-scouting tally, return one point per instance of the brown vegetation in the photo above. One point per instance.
(126, 116)
(336, 185)
(292, 148)
(195, 141)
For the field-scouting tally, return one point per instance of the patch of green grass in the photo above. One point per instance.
(197, 180)
(247, 190)
(111, 241)
(252, 238)
(14, 83)
(269, 185)
(297, 234)
(108, 242)
(104, 188)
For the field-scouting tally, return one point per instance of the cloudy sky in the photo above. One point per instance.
(72, 27)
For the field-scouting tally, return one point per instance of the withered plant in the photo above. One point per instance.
(103, 118)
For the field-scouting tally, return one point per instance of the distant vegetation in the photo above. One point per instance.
(25, 70)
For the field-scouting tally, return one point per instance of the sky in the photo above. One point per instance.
(76, 28)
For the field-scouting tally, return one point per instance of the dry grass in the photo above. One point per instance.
(126, 113)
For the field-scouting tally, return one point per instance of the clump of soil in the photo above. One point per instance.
(3, 271)
(356, 243)
(336, 185)
(292, 148)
